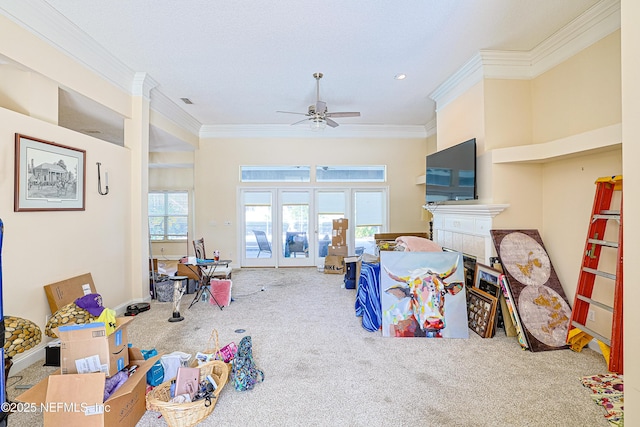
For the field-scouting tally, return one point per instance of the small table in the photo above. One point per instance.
(206, 274)
(179, 288)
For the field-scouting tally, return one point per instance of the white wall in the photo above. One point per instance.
(631, 153)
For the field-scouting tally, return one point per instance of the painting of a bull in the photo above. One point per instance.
(422, 295)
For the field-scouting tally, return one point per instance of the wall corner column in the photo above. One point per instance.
(136, 139)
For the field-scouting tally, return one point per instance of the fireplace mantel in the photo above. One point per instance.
(465, 227)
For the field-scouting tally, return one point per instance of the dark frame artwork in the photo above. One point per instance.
(538, 297)
(487, 280)
(48, 176)
(482, 312)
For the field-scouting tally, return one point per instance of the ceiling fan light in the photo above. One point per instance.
(317, 125)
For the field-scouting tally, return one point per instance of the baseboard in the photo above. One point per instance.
(28, 358)
(169, 258)
(120, 309)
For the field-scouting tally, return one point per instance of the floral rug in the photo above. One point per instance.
(608, 391)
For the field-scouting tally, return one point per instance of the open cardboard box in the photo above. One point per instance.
(66, 291)
(87, 340)
(76, 399)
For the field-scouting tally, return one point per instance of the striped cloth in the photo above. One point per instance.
(367, 303)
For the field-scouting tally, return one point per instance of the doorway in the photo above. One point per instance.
(293, 227)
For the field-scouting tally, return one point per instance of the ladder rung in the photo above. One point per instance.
(610, 212)
(596, 303)
(606, 216)
(599, 273)
(604, 243)
(591, 332)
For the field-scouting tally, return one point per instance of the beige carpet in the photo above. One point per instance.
(323, 369)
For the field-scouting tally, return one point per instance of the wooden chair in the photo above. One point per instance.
(263, 242)
(224, 271)
(198, 247)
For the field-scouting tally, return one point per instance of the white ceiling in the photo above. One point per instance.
(239, 61)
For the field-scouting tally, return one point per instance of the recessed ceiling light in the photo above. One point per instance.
(400, 76)
(186, 100)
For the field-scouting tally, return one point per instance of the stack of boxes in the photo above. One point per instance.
(334, 261)
(88, 355)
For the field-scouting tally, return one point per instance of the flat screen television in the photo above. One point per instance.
(451, 173)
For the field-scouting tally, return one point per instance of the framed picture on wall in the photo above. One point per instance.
(48, 176)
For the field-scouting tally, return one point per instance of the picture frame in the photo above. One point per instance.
(481, 308)
(487, 279)
(48, 176)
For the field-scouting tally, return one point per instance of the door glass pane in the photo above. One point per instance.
(330, 206)
(295, 224)
(258, 225)
(369, 214)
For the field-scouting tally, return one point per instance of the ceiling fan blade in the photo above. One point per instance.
(303, 120)
(291, 112)
(321, 107)
(344, 114)
(331, 122)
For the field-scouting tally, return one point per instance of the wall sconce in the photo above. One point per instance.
(106, 182)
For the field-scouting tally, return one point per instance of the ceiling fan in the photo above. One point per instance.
(318, 115)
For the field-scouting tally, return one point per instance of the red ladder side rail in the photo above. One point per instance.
(617, 343)
(591, 254)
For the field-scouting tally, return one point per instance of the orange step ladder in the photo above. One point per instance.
(600, 216)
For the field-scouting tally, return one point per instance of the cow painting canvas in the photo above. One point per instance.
(423, 295)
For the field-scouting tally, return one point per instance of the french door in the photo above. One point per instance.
(293, 227)
(277, 228)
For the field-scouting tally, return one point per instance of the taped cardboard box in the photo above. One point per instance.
(67, 291)
(340, 224)
(86, 347)
(76, 399)
(339, 237)
(342, 251)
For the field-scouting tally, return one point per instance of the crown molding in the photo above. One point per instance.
(301, 131)
(596, 23)
(142, 84)
(161, 104)
(431, 127)
(593, 25)
(57, 31)
(459, 82)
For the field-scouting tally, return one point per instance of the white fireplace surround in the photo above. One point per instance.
(465, 228)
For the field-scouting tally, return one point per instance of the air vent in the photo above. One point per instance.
(186, 101)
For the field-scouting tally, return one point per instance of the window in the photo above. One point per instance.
(168, 215)
(275, 173)
(350, 173)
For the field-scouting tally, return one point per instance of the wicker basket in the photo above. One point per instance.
(188, 414)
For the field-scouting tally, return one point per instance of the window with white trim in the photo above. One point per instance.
(168, 215)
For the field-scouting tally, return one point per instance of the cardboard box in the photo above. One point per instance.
(339, 237)
(67, 291)
(76, 399)
(340, 224)
(86, 347)
(342, 251)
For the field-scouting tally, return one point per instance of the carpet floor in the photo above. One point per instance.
(323, 369)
